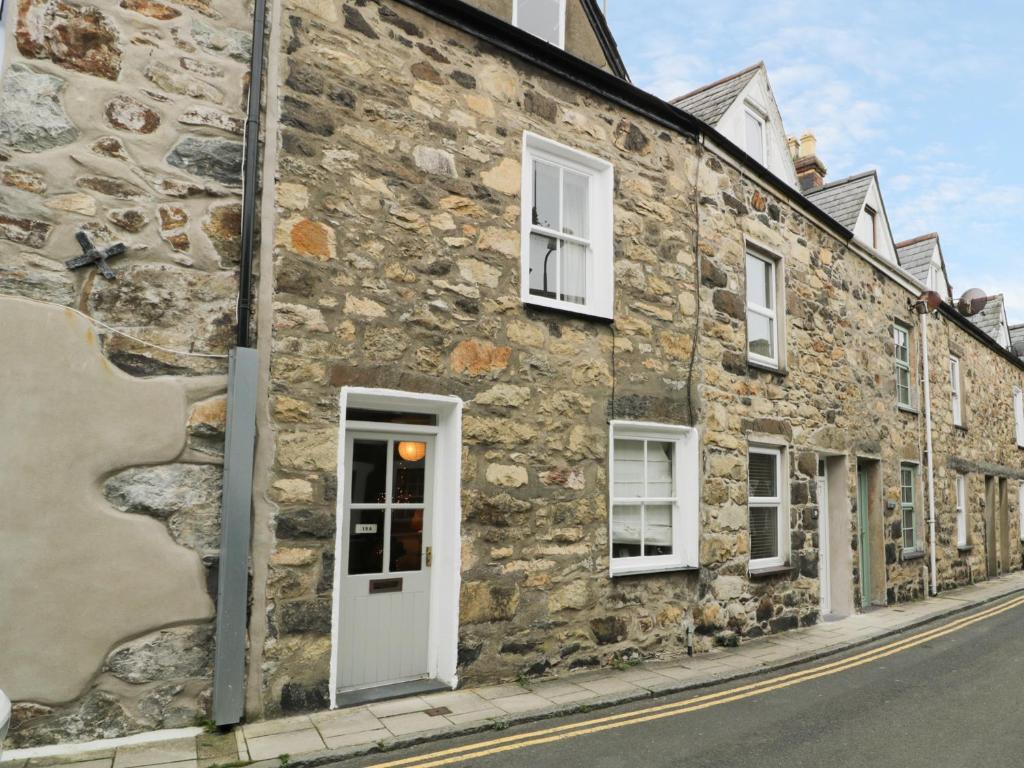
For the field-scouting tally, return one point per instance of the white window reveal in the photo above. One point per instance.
(961, 511)
(567, 259)
(901, 337)
(908, 476)
(762, 317)
(754, 134)
(769, 522)
(1018, 415)
(543, 18)
(654, 521)
(954, 383)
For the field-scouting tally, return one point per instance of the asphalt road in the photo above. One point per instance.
(954, 700)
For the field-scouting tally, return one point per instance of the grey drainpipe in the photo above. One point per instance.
(240, 434)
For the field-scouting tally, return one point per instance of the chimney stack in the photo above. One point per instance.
(810, 171)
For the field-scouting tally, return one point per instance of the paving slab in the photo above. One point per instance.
(355, 739)
(289, 743)
(414, 722)
(342, 722)
(179, 750)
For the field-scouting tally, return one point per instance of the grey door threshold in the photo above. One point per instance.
(384, 692)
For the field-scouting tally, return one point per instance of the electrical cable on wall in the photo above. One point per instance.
(696, 280)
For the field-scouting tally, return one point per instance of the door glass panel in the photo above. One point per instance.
(366, 541)
(658, 536)
(626, 530)
(410, 462)
(406, 540)
(369, 471)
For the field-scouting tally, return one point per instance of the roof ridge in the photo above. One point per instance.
(720, 81)
(839, 182)
(918, 239)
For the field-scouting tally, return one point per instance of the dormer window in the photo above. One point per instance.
(543, 18)
(873, 223)
(754, 133)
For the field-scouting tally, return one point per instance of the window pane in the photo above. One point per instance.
(545, 194)
(760, 335)
(576, 204)
(543, 266)
(764, 475)
(755, 140)
(902, 344)
(626, 530)
(764, 532)
(908, 529)
(540, 18)
(409, 466)
(366, 541)
(658, 529)
(574, 273)
(759, 282)
(406, 540)
(629, 469)
(659, 470)
(369, 470)
(903, 385)
(907, 485)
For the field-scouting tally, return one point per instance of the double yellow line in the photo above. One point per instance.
(609, 722)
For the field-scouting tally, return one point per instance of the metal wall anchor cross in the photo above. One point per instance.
(92, 255)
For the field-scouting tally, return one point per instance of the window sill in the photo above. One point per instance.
(641, 570)
(769, 570)
(568, 311)
(757, 365)
(911, 554)
(908, 409)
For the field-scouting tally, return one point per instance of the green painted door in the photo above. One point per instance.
(863, 543)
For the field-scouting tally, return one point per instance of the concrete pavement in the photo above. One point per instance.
(330, 736)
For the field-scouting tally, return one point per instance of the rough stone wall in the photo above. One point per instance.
(397, 265)
(123, 120)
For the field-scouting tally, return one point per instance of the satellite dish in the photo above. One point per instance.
(972, 302)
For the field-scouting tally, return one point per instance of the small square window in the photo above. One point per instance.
(653, 525)
(901, 338)
(762, 313)
(543, 18)
(768, 516)
(566, 229)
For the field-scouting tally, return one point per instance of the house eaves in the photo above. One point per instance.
(605, 38)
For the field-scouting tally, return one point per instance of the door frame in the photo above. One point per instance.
(446, 578)
(824, 538)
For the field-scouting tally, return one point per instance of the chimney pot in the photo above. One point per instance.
(810, 171)
(808, 145)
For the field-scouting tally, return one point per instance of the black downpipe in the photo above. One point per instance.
(250, 169)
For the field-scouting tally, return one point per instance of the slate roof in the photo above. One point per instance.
(915, 256)
(710, 102)
(843, 200)
(991, 317)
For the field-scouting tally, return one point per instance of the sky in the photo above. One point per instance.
(931, 94)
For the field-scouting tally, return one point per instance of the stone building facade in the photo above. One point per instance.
(391, 271)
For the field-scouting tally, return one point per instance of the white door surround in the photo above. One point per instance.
(445, 538)
(824, 563)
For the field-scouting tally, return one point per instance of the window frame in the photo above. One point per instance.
(1018, 415)
(771, 313)
(912, 507)
(600, 277)
(963, 540)
(780, 502)
(956, 396)
(561, 26)
(873, 218)
(749, 110)
(685, 499)
(903, 365)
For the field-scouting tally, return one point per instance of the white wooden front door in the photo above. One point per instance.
(824, 566)
(384, 596)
